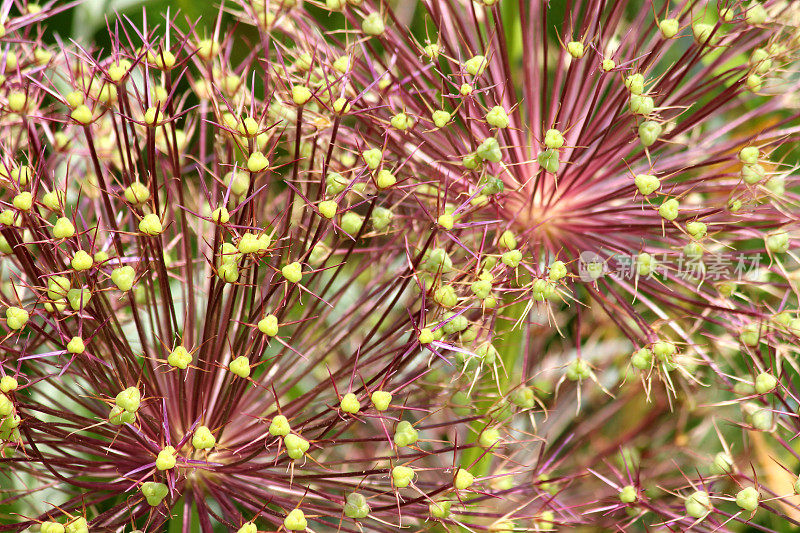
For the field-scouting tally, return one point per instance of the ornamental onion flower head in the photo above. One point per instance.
(482, 275)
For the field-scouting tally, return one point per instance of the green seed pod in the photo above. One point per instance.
(381, 400)
(76, 346)
(248, 527)
(440, 509)
(557, 271)
(203, 439)
(123, 277)
(441, 118)
(628, 494)
(279, 427)
(635, 83)
(446, 296)
(575, 49)
(463, 479)
(755, 14)
(669, 28)
(641, 105)
(23, 201)
(350, 403)
(151, 225)
(405, 434)
(52, 527)
(578, 370)
(119, 416)
(296, 446)
(669, 209)
(489, 438)
(351, 223)
(137, 193)
(77, 525)
(79, 298)
(154, 492)
(179, 358)
(642, 359)
(548, 160)
(336, 183)
(749, 155)
(240, 367)
(747, 499)
(166, 458)
(723, 464)
(553, 139)
(436, 260)
(293, 272)
(489, 150)
(385, 179)
(702, 33)
(473, 161)
(750, 335)
(777, 243)
(649, 131)
(82, 261)
(498, 117)
(696, 229)
(373, 24)
(8, 384)
(760, 418)
(476, 65)
(16, 318)
(698, 504)
(765, 382)
(381, 218)
(693, 251)
(646, 183)
(356, 506)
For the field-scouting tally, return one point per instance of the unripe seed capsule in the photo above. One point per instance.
(76, 346)
(747, 499)
(381, 400)
(203, 439)
(166, 458)
(373, 24)
(628, 494)
(240, 367)
(356, 506)
(463, 479)
(405, 434)
(350, 404)
(698, 504)
(765, 382)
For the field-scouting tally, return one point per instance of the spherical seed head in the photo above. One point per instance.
(402, 476)
(82, 261)
(749, 155)
(240, 367)
(166, 458)
(268, 325)
(628, 494)
(385, 179)
(373, 24)
(356, 506)
(381, 400)
(293, 272)
(76, 346)
(765, 382)
(405, 434)
(257, 162)
(279, 427)
(698, 504)
(463, 479)
(203, 439)
(295, 520)
(350, 403)
(151, 225)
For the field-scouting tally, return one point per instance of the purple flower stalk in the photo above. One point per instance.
(521, 271)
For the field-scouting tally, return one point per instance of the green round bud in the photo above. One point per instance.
(747, 499)
(82, 261)
(356, 506)
(350, 403)
(628, 494)
(166, 458)
(669, 209)
(405, 434)
(463, 479)
(180, 358)
(698, 504)
(154, 492)
(381, 400)
(240, 367)
(279, 427)
(765, 382)
(203, 439)
(373, 24)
